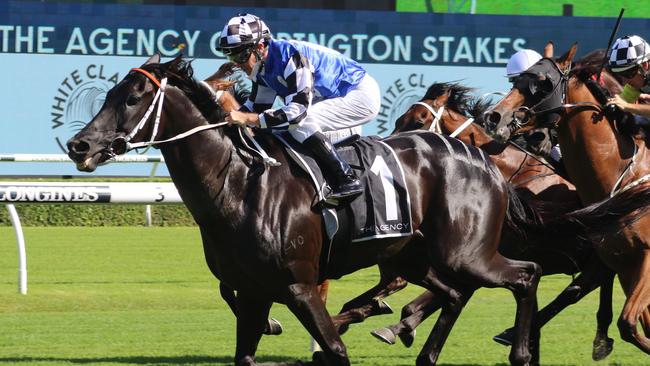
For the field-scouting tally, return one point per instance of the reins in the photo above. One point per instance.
(541, 161)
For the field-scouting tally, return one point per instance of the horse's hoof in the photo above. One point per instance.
(602, 349)
(273, 327)
(384, 334)
(384, 308)
(504, 338)
(318, 358)
(407, 338)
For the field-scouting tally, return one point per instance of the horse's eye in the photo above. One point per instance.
(546, 85)
(132, 100)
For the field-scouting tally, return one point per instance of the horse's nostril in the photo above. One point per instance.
(78, 147)
(494, 117)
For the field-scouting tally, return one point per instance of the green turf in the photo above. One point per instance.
(143, 296)
(593, 8)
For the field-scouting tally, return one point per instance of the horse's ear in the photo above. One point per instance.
(155, 59)
(548, 50)
(565, 61)
(173, 64)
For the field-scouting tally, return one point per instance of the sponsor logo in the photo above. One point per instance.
(54, 194)
(387, 228)
(400, 95)
(78, 99)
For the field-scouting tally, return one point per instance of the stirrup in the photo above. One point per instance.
(343, 194)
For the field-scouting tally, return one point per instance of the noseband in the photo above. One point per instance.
(437, 115)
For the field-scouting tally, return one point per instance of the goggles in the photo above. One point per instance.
(629, 73)
(238, 55)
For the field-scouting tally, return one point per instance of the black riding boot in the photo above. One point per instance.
(346, 182)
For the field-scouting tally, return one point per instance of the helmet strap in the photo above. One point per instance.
(258, 55)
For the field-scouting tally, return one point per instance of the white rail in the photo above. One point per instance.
(13, 193)
(62, 158)
(76, 193)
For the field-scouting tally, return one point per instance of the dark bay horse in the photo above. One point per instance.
(601, 160)
(263, 237)
(448, 109)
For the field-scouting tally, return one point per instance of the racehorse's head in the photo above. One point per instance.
(427, 114)
(132, 114)
(125, 104)
(536, 98)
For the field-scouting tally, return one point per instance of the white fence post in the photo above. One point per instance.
(22, 254)
(25, 192)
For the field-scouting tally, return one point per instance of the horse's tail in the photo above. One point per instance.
(587, 225)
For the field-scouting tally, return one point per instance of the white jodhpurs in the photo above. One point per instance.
(341, 117)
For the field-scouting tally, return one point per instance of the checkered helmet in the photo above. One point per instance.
(243, 30)
(628, 52)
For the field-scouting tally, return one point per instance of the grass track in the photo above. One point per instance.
(143, 296)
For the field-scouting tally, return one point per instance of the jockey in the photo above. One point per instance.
(519, 62)
(630, 59)
(322, 90)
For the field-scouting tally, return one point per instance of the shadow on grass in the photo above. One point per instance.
(141, 360)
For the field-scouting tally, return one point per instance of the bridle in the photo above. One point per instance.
(437, 115)
(120, 145)
(523, 115)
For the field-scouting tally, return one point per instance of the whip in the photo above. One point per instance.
(609, 44)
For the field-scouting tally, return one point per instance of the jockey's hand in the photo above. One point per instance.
(242, 119)
(619, 102)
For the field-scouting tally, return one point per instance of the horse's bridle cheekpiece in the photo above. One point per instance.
(121, 145)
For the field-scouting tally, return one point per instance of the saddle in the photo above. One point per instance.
(382, 210)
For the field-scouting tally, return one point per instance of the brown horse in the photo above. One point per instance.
(445, 108)
(601, 160)
(263, 236)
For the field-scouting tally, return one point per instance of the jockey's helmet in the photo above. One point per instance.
(628, 52)
(241, 34)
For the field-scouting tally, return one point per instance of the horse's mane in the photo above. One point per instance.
(180, 73)
(460, 100)
(591, 64)
(585, 71)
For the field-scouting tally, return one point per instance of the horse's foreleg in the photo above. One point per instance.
(272, 327)
(305, 302)
(597, 274)
(603, 344)
(645, 321)
(521, 278)
(451, 309)
(369, 303)
(637, 288)
(413, 314)
(228, 294)
(252, 317)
